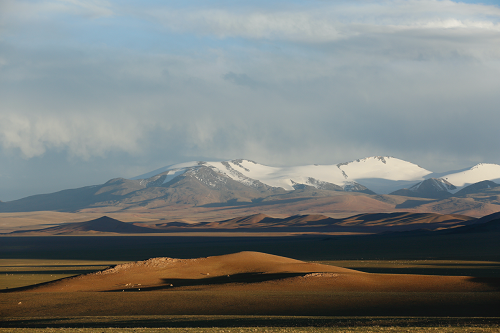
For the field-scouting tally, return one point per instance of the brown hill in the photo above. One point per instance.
(101, 225)
(489, 224)
(373, 222)
(366, 223)
(466, 206)
(253, 271)
(405, 220)
(484, 186)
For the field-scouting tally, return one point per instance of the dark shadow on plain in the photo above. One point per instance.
(218, 280)
(492, 282)
(248, 321)
(53, 272)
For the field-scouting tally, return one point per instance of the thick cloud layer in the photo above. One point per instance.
(123, 88)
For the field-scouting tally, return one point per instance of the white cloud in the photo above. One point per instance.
(79, 135)
(328, 22)
(325, 83)
(20, 12)
(89, 8)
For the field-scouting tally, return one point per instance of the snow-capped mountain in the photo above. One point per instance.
(382, 173)
(480, 177)
(342, 187)
(436, 188)
(438, 184)
(478, 173)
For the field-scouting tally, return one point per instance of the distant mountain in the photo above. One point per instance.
(477, 188)
(101, 225)
(488, 218)
(478, 173)
(487, 224)
(435, 188)
(245, 182)
(475, 180)
(365, 223)
(370, 223)
(347, 176)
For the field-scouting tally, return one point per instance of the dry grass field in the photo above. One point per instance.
(252, 283)
(245, 324)
(16, 273)
(462, 305)
(259, 329)
(426, 266)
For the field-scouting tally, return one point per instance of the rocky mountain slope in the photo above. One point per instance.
(241, 183)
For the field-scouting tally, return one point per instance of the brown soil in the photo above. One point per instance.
(251, 283)
(254, 271)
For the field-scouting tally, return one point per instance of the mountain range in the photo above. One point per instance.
(386, 223)
(389, 182)
(357, 224)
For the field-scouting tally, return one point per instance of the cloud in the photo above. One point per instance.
(282, 84)
(88, 8)
(326, 22)
(79, 135)
(25, 10)
(240, 79)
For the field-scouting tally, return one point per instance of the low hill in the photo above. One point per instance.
(253, 271)
(478, 187)
(101, 225)
(365, 223)
(489, 224)
(371, 223)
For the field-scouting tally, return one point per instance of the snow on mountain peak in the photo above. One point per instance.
(253, 174)
(437, 184)
(382, 174)
(385, 167)
(479, 172)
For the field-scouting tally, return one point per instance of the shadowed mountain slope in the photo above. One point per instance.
(367, 223)
(101, 225)
(434, 188)
(489, 225)
(486, 224)
(311, 189)
(482, 186)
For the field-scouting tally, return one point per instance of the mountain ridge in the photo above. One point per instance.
(360, 223)
(245, 183)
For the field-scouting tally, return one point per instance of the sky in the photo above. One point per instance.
(94, 90)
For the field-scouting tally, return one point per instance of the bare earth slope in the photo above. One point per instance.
(367, 223)
(247, 271)
(103, 224)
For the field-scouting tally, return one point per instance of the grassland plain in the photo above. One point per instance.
(226, 323)
(409, 255)
(16, 273)
(258, 329)
(483, 247)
